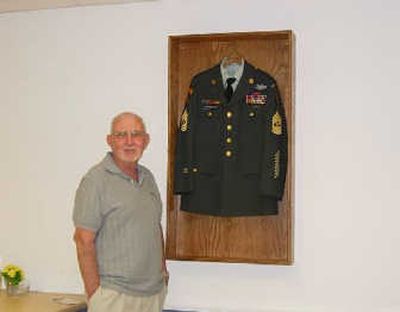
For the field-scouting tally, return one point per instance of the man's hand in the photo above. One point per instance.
(166, 277)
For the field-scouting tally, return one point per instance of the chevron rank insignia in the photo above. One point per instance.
(184, 120)
(276, 124)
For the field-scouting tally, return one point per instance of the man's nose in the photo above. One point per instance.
(129, 139)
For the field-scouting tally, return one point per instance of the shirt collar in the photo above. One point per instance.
(234, 70)
(110, 166)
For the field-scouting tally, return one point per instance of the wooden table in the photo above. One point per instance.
(43, 302)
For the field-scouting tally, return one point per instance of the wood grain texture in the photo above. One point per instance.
(261, 239)
(39, 301)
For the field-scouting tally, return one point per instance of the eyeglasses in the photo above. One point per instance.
(121, 135)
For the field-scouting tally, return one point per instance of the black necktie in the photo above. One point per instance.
(229, 89)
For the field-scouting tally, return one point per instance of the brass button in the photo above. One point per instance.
(229, 127)
(213, 82)
(252, 114)
(209, 114)
(251, 81)
(229, 140)
(229, 114)
(195, 170)
(185, 170)
(228, 153)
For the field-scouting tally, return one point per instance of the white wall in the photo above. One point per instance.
(28, 5)
(64, 73)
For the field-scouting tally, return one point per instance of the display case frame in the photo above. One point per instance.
(255, 239)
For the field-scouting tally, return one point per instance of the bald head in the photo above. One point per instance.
(124, 115)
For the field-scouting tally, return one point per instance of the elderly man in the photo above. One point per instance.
(118, 234)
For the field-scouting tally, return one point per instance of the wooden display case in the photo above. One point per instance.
(256, 239)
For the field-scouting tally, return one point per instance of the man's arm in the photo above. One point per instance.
(86, 251)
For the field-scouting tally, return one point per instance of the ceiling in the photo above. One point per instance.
(26, 5)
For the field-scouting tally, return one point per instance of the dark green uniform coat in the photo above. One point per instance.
(231, 157)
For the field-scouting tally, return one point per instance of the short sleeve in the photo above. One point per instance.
(87, 212)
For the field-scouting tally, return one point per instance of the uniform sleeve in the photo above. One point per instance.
(275, 156)
(86, 212)
(183, 171)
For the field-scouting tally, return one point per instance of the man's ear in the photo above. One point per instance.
(147, 140)
(109, 139)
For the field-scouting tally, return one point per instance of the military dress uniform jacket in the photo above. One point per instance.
(231, 156)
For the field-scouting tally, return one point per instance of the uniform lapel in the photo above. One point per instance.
(219, 85)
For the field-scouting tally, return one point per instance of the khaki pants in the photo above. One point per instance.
(108, 300)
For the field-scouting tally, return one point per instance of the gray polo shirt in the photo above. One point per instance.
(125, 215)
